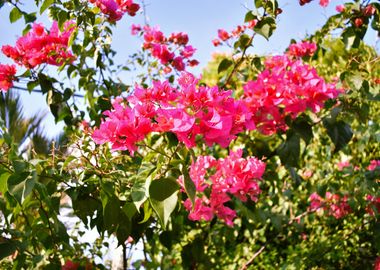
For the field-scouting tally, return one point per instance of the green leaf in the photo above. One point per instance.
(129, 209)
(339, 132)
(21, 185)
(147, 212)
(355, 81)
(140, 189)
(289, 151)
(45, 83)
(256, 61)
(250, 16)
(244, 41)
(62, 18)
(45, 5)
(111, 211)
(303, 129)
(7, 249)
(265, 27)
(164, 208)
(350, 38)
(30, 17)
(224, 65)
(3, 182)
(190, 188)
(15, 15)
(162, 189)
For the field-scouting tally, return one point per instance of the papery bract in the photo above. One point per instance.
(115, 9)
(286, 87)
(40, 46)
(7, 76)
(231, 176)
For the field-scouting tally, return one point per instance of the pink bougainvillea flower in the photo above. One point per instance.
(302, 49)
(336, 205)
(339, 8)
(373, 165)
(223, 178)
(166, 49)
(324, 3)
(42, 47)
(115, 9)
(343, 164)
(7, 76)
(223, 35)
(123, 128)
(286, 87)
(377, 264)
(374, 203)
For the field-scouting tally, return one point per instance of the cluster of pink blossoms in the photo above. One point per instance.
(165, 48)
(336, 205)
(373, 164)
(7, 76)
(224, 36)
(222, 178)
(302, 49)
(286, 87)
(115, 9)
(323, 3)
(40, 46)
(374, 203)
(188, 112)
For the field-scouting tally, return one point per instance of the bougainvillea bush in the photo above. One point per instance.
(261, 162)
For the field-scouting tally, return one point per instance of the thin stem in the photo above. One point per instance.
(253, 257)
(124, 256)
(241, 60)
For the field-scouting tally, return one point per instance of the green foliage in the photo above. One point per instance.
(139, 197)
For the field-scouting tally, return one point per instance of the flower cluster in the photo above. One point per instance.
(286, 87)
(164, 48)
(40, 46)
(373, 165)
(323, 3)
(222, 178)
(224, 36)
(188, 112)
(336, 205)
(377, 264)
(302, 49)
(374, 203)
(7, 76)
(115, 9)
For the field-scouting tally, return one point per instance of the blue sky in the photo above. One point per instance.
(200, 19)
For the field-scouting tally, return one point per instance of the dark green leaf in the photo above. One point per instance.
(164, 208)
(3, 182)
(45, 5)
(244, 41)
(15, 15)
(21, 185)
(162, 189)
(30, 17)
(189, 185)
(7, 248)
(339, 132)
(265, 27)
(304, 129)
(289, 151)
(224, 65)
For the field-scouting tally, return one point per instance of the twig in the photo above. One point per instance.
(241, 60)
(124, 256)
(253, 257)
